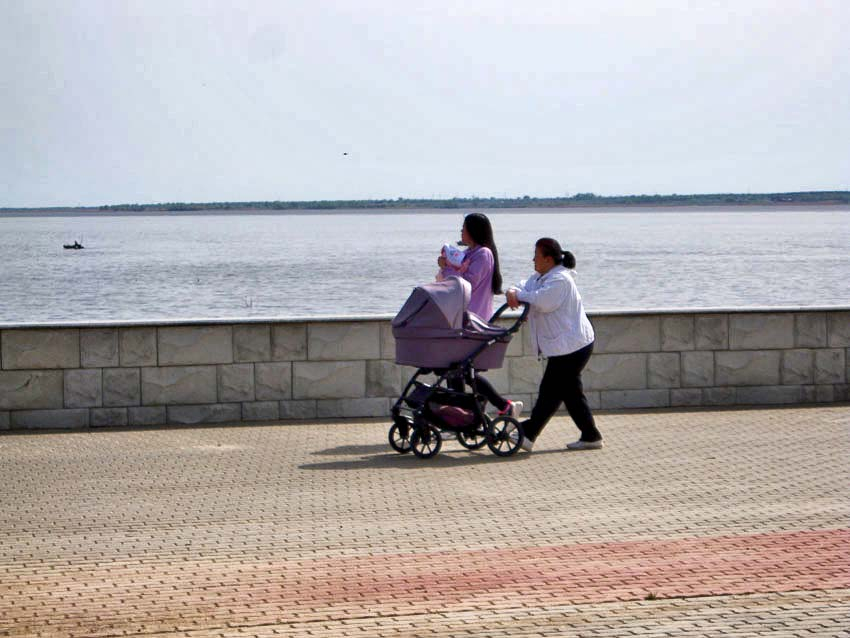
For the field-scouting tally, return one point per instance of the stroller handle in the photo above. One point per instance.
(520, 320)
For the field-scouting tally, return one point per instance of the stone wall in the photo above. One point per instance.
(78, 376)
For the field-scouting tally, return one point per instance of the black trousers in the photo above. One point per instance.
(487, 389)
(484, 387)
(561, 383)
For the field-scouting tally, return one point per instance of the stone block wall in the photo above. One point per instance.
(78, 376)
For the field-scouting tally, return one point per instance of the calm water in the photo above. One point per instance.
(152, 267)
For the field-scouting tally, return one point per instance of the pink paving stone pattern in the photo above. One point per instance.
(319, 529)
(434, 582)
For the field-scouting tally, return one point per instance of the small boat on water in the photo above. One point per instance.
(75, 246)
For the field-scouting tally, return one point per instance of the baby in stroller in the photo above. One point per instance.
(434, 332)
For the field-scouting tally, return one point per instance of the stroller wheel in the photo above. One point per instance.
(474, 439)
(426, 441)
(399, 441)
(505, 436)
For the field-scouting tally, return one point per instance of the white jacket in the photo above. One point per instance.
(557, 322)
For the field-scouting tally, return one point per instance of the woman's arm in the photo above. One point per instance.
(475, 267)
(511, 293)
(478, 267)
(548, 297)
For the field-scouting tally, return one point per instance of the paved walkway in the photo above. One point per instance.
(709, 523)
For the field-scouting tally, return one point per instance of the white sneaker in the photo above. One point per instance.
(527, 444)
(585, 445)
(514, 409)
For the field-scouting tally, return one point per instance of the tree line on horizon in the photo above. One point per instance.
(526, 201)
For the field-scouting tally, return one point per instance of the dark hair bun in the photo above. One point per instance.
(569, 259)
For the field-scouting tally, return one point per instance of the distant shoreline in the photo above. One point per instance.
(586, 202)
(595, 210)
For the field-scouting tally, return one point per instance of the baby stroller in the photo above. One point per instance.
(434, 332)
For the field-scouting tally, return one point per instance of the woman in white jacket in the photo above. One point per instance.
(561, 332)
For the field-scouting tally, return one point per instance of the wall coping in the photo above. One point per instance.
(201, 321)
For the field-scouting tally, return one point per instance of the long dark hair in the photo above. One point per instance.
(479, 228)
(551, 248)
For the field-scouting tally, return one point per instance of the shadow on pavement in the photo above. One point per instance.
(343, 450)
(445, 459)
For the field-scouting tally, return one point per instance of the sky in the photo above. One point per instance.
(146, 101)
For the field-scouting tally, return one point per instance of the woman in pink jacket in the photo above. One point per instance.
(480, 268)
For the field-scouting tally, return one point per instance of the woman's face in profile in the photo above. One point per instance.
(465, 237)
(542, 264)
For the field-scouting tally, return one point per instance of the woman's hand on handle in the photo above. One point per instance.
(513, 302)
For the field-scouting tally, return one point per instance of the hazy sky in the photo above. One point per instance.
(119, 101)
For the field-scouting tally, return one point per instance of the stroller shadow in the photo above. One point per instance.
(445, 459)
(344, 450)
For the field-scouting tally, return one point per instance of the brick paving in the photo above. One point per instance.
(725, 522)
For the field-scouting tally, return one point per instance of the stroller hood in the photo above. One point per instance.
(434, 330)
(435, 306)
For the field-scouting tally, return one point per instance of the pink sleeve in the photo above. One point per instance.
(450, 271)
(480, 266)
(475, 268)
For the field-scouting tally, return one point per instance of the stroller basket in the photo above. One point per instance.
(440, 405)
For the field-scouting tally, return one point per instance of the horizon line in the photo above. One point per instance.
(577, 198)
